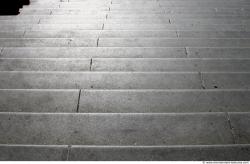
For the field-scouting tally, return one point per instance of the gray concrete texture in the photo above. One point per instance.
(126, 80)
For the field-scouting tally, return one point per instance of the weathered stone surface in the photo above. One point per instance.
(90, 52)
(167, 26)
(214, 34)
(44, 42)
(63, 34)
(33, 153)
(49, 64)
(160, 153)
(138, 33)
(229, 52)
(181, 42)
(36, 101)
(94, 34)
(115, 129)
(97, 26)
(164, 101)
(16, 34)
(206, 21)
(105, 80)
(172, 65)
(226, 80)
(240, 126)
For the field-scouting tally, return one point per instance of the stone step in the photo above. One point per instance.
(51, 64)
(161, 153)
(159, 65)
(187, 21)
(124, 16)
(194, 52)
(133, 33)
(123, 52)
(100, 33)
(177, 13)
(230, 152)
(123, 42)
(28, 27)
(33, 152)
(123, 80)
(163, 101)
(166, 26)
(18, 22)
(124, 129)
(47, 42)
(103, 80)
(213, 34)
(166, 42)
(225, 80)
(36, 101)
(111, 52)
(37, 17)
(125, 64)
(122, 34)
(124, 101)
(131, 20)
(209, 12)
(52, 20)
(61, 12)
(13, 34)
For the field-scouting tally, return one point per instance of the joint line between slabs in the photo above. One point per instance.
(231, 128)
(68, 152)
(78, 101)
(90, 65)
(1, 51)
(177, 34)
(186, 51)
(39, 21)
(24, 33)
(97, 43)
(203, 86)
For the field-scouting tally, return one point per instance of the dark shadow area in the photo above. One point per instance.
(11, 7)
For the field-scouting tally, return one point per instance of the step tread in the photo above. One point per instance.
(130, 153)
(120, 129)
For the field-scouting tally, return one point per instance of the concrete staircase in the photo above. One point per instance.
(126, 80)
